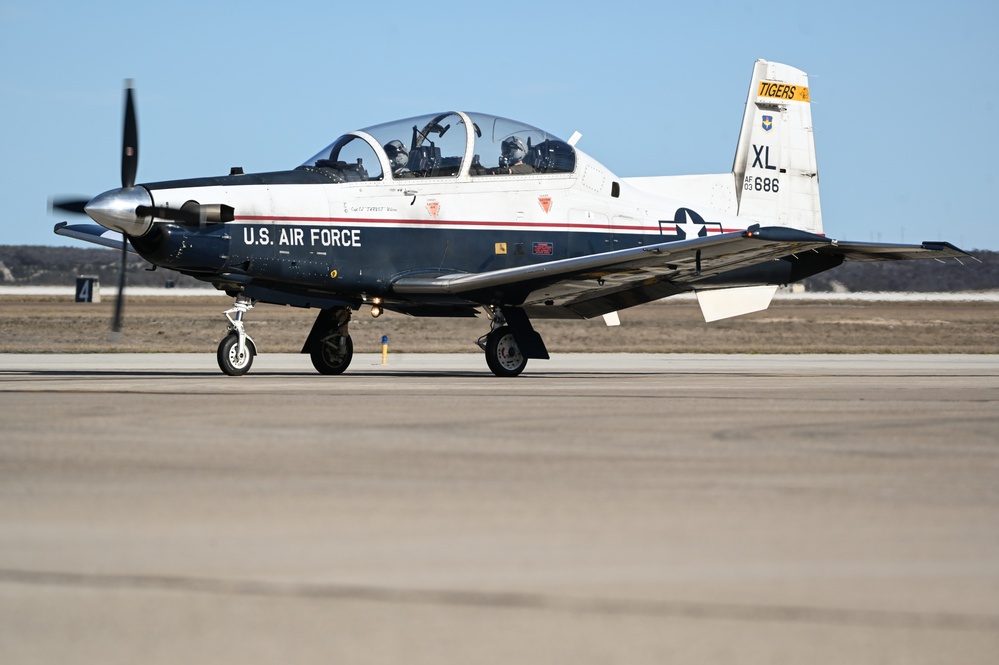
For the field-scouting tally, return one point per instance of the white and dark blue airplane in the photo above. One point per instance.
(455, 213)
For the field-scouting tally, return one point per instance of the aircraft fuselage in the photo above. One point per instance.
(350, 239)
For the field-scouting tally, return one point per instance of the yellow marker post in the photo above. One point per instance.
(385, 349)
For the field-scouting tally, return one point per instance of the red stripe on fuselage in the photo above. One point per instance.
(452, 223)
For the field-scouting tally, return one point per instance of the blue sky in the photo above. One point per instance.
(905, 95)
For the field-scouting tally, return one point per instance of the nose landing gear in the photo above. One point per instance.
(236, 350)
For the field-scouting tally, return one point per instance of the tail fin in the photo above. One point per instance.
(776, 176)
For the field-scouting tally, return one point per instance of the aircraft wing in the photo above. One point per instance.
(596, 284)
(92, 233)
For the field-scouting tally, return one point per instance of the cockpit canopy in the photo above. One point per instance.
(443, 145)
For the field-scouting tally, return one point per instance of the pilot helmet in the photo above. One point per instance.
(398, 156)
(514, 149)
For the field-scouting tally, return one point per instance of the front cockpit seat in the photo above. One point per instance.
(552, 157)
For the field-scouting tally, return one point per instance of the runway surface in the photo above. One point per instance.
(597, 509)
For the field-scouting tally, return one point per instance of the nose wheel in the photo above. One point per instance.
(233, 360)
(236, 350)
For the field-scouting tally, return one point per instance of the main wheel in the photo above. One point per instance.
(332, 355)
(502, 353)
(231, 361)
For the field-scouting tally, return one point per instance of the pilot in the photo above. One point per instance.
(398, 158)
(512, 157)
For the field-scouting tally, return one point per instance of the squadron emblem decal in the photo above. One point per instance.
(768, 123)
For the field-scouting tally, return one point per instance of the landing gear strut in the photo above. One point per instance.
(329, 343)
(503, 356)
(236, 350)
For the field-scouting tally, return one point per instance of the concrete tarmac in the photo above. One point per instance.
(598, 509)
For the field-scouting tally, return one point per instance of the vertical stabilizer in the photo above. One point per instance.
(777, 179)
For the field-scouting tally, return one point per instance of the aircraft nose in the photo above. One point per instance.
(115, 210)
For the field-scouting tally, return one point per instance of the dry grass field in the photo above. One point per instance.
(55, 324)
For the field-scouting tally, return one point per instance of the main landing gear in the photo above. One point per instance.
(329, 343)
(511, 341)
(236, 350)
(502, 353)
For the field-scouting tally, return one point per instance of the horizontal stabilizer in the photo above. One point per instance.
(860, 251)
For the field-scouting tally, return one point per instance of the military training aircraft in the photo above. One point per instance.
(454, 213)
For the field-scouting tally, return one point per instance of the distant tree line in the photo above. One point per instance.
(31, 265)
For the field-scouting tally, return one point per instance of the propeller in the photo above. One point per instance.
(130, 210)
(129, 167)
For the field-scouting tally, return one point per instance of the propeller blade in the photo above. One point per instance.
(130, 141)
(119, 303)
(70, 205)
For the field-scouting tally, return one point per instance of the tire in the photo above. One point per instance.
(332, 355)
(230, 362)
(502, 354)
